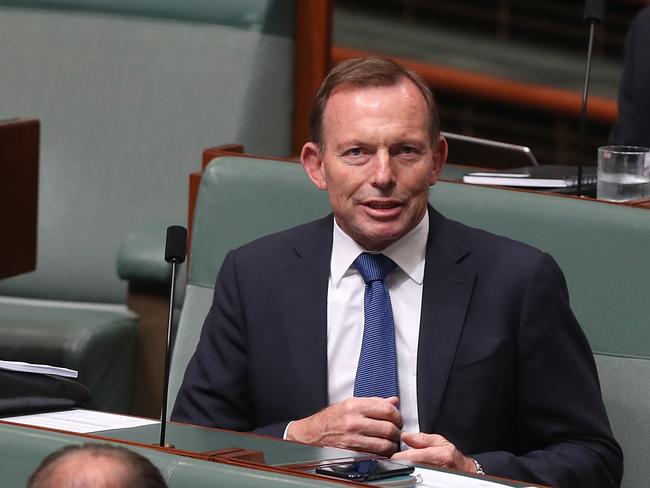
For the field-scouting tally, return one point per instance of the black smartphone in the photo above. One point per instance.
(369, 470)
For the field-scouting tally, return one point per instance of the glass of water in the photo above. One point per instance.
(623, 173)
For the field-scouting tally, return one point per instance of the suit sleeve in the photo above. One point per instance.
(633, 124)
(624, 130)
(562, 428)
(215, 390)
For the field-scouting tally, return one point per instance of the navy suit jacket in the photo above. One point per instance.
(504, 370)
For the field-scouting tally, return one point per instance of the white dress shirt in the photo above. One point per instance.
(345, 315)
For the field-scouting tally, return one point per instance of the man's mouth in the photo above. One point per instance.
(382, 205)
(383, 209)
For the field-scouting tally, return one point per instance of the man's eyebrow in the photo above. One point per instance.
(409, 142)
(350, 143)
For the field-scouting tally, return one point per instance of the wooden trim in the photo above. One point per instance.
(643, 203)
(215, 151)
(499, 89)
(312, 60)
(194, 183)
(19, 154)
(237, 151)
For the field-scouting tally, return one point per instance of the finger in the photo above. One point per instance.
(383, 409)
(437, 456)
(373, 445)
(369, 417)
(382, 429)
(420, 440)
(393, 401)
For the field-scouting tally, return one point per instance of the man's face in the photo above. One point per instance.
(377, 161)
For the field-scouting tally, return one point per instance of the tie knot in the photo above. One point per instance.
(374, 267)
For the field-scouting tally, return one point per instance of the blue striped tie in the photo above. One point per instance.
(377, 370)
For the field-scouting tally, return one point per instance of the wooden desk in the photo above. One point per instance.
(455, 172)
(19, 147)
(293, 460)
(644, 203)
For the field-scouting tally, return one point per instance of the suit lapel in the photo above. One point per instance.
(304, 285)
(445, 299)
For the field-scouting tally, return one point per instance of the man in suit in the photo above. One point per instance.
(633, 125)
(477, 364)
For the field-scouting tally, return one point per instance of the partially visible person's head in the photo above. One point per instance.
(96, 466)
(376, 149)
(364, 73)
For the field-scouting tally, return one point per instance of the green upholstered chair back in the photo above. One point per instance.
(604, 250)
(24, 448)
(240, 199)
(126, 90)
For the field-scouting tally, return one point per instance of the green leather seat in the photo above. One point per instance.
(126, 90)
(602, 248)
(97, 341)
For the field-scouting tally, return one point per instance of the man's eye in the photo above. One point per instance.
(355, 151)
(408, 150)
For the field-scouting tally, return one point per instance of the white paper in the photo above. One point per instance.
(81, 421)
(440, 479)
(37, 368)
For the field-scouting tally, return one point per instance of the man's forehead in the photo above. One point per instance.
(352, 107)
(403, 86)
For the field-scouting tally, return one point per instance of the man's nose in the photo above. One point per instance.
(384, 176)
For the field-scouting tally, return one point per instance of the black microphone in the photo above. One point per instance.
(176, 244)
(593, 13)
(594, 10)
(175, 250)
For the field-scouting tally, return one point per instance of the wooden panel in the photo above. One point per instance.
(499, 89)
(643, 203)
(151, 304)
(312, 59)
(19, 150)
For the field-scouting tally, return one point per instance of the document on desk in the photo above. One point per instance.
(81, 421)
(441, 479)
(37, 368)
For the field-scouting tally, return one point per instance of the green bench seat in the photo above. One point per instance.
(125, 91)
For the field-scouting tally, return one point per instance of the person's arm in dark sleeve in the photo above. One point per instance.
(215, 387)
(562, 428)
(215, 390)
(633, 91)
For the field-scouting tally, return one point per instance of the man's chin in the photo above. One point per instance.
(378, 239)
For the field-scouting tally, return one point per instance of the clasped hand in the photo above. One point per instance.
(361, 424)
(374, 425)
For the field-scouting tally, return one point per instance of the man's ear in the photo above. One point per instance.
(439, 159)
(311, 160)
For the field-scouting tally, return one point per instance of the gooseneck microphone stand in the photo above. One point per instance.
(175, 250)
(593, 14)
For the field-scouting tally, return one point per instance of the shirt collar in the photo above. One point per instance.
(408, 252)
